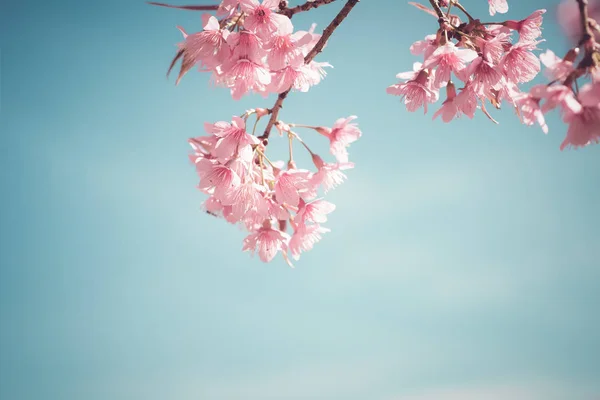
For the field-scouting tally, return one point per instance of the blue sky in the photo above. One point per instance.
(462, 262)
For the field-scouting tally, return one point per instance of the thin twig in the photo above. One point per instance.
(309, 57)
(289, 12)
(461, 8)
(192, 8)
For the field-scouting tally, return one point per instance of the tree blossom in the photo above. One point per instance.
(268, 240)
(500, 6)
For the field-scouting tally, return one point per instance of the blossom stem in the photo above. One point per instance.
(309, 57)
(461, 8)
(262, 167)
(290, 138)
(302, 142)
(255, 124)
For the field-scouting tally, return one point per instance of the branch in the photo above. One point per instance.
(289, 12)
(586, 32)
(193, 8)
(309, 57)
(436, 8)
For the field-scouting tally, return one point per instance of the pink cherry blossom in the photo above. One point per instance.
(290, 185)
(268, 240)
(485, 75)
(245, 198)
(519, 63)
(328, 175)
(208, 47)
(530, 28)
(304, 238)
(246, 45)
(448, 59)
(340, 136)
(454, 106)
(221, 179)
(425, 47)
(261, 19)
(243, 75)
(584, 128)
(556, 67)
(416, 93)
(556, 95)
(285, 49)
(500, 6)
(530, 111)
(315, 211)
(231, 138)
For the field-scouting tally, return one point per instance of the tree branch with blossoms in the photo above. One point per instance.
(248, 47)
(491, 67)
(274, 111)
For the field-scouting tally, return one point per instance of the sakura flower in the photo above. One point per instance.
(500, 6)
(246, 45)
(212, 205)
(589, 95)
(315, 211)
(289, 186)
(340, 136)
(268, 240)
(530, 28)
(232, 137)
(298, 76)
(328, 175)
(245, 198)
(208, 47)
(448, 58)
(519, 64)
(415, 93)
(454, 106)
(425, 47)
(556, 95)
(261, 19)
(304, 238)
(485, 75)
(584, 128)
(494, 47)
(243, 75)
(285, 49)
(531, 111)
(221, 179)
(556, 67)
(227, 8)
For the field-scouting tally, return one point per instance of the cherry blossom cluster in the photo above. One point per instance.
(250, 47)
(574, 89)
(245, 187)
(490, 65)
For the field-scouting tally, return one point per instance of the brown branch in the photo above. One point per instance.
(192, 8)
(309, 57)
(289, 12)
(586, 32)
(437, 9)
